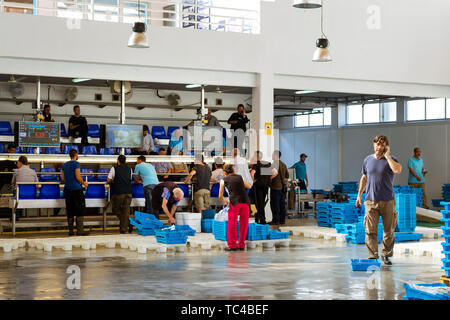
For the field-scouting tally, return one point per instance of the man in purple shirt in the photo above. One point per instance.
(378, 176)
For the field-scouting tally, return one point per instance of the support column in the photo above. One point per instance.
(122, 109)
(263, 135)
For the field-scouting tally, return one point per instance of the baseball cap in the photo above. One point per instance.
(303, 155)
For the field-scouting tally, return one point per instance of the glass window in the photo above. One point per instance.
(388, 111)
(371, 112)
(435, 108)
(448, 107)
(302, 120)
(415, 110)
(316, 119)
(354, 114)
(327, 116)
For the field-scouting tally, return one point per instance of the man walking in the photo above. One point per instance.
(378, 176)
(120, 177)
(202, 193)
(73, 190)
(145, 173)
(417, 174)
(301, 175)
(278, 190)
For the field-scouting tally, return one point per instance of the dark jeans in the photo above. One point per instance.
(75, 203)
(148, 189)
(260, 195)
(278, 206)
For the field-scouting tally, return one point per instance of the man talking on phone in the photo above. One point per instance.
(378, 181)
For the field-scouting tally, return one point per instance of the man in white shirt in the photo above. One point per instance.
(147, 142)
(23, 174)
(241, 166)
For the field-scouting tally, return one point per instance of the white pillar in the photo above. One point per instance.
(262, 116)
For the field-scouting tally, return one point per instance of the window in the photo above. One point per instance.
(371, 113)
(435, 108)
(448, 107)
(388, 111)
(354, 114)
(317, 117)
(427, 109)
(415, 110)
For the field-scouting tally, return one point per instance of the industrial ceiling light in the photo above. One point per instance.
(77, 80)
(138, 39)
(305, 91)
(307, 4)
(192, 86)
(322, 54)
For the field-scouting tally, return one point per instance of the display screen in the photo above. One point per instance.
(39, 134)
(124, 135)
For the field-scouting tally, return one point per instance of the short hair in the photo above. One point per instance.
(122, 159)
(178, 193)
(145, 128)
(73, 153)
(199, 157)
(11, 146)
(23, 160)
(161, 149)
(229, 168)
(241, 105)
(75, 106)
(278, 153)
(142, 158)
(381, 139)
(415, 149)
(47, 106)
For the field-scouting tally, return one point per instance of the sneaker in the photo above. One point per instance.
(230, 249)
(386, 260)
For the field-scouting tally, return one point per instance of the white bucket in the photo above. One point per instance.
(191, 219)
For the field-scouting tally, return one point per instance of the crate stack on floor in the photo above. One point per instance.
(446, 236)
(426, 291)
(346, 187)
(406, 218)
(324, 214)
(343, 213)
(207, 220)
(406, 189)
(445, 196)
(356, 232)
(255, 231)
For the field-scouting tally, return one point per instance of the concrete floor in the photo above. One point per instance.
(312, 269)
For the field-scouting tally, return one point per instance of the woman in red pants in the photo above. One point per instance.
(239, 206)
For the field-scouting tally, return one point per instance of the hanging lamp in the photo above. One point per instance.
(307, 4)
(322, 53)
(138, 39)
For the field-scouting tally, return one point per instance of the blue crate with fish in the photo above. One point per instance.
(365, 264)
(207, 225)
(170, 236)
(426, 291)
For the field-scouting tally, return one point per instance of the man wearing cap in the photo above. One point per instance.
(301, 175)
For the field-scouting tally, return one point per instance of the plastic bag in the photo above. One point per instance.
(222, 215)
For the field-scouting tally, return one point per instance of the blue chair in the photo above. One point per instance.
(52, 150)
(50, 191)
(5, 128)
(103, 177)
(95, 191)
(19, 150)
(137, 190)
(62, 131)
(48, 177)
(2, 148)
(89, 150)
(170, 130)
(156, 149)
(90, 177)
(215, 191)
(107, 151)
(69, 147)
(27, 191)
(94, 130)
(185, 189)
(30, 150)
(159, 132)
(127, 151)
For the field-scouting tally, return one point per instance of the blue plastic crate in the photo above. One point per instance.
(146, 232)
(445, 246)
(445, 231)
(220, 230)
(407, 236)
(207, 225)
(255, 237)
(445, 214)
(446, 205)
(275, 234)
(208, 214)
(364, 264)
(414, 293)
(446, 222)
(446, 254)
(447, 271)
(171, 236)
(186, 229)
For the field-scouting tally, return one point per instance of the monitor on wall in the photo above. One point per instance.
(39, 134)
(124, 135)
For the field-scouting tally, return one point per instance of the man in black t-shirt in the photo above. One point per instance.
(202, 193)
(78, 126)
(47, 115)
(239, 120)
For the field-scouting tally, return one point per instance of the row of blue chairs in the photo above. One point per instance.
(89, 150)
(93, 130)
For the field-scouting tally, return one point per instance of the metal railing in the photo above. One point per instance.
(219, 15)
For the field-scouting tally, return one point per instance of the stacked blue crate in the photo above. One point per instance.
(169, 236)
(346, 187)
(437, 202)
(402, 189)
(257, 231)
(357, 233)
(426, 291)
(146, 224)
(419, 196)
(406, 208)
(275, 234)
(446, 236)
(220, 229)
(323, 214)
(343, 213)
(207, 225)
(446, 192)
